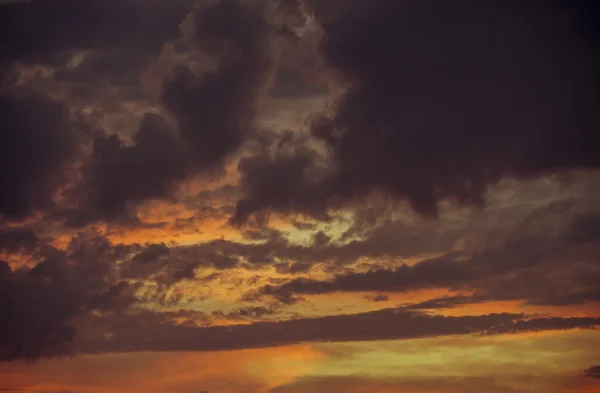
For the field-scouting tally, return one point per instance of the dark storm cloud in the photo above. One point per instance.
(291, 83)
(443, 99)
(592, 372)
(37, 143)
(213, 110)
(18, 239)
(286, 175)
(121, 174)
(38, 304)
(95, 44)
(89, 287)
(586, 227)
(24, 334)
(40, 31)
(385, 324)
(101, 68)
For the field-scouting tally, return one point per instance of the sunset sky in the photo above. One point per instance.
(300, 196)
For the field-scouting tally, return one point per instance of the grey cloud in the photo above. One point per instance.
(246, 313)
(586, 227)
(38, 142)
(528, 291)
(213, 111)
(393, 241)
(378, 325)
(444, 302)
(529, 264)
(444, 101)
(41, 31)
(293, 268)
(38, 304)
(434, 273)
(167, 266)
(18, 239)
(216, 110)
(291, 83)
(151, 253)
(119, 175)
(592, 372)
(381, 297)
(544, 324)
(284, 176)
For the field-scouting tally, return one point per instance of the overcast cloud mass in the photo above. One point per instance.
(299, 196)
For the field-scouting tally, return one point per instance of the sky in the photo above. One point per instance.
(299, 196)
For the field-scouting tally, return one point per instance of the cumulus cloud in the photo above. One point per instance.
(38, 142)
(119, 175)
(38, 304)
(441, 101)
(213, 111)
(91, 282)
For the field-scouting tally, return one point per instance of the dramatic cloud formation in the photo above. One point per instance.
(520, 268)
(214, 110)
(444, 100)
(299, 195)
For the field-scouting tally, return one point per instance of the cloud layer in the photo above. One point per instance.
(247, 177)
(443, 101)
